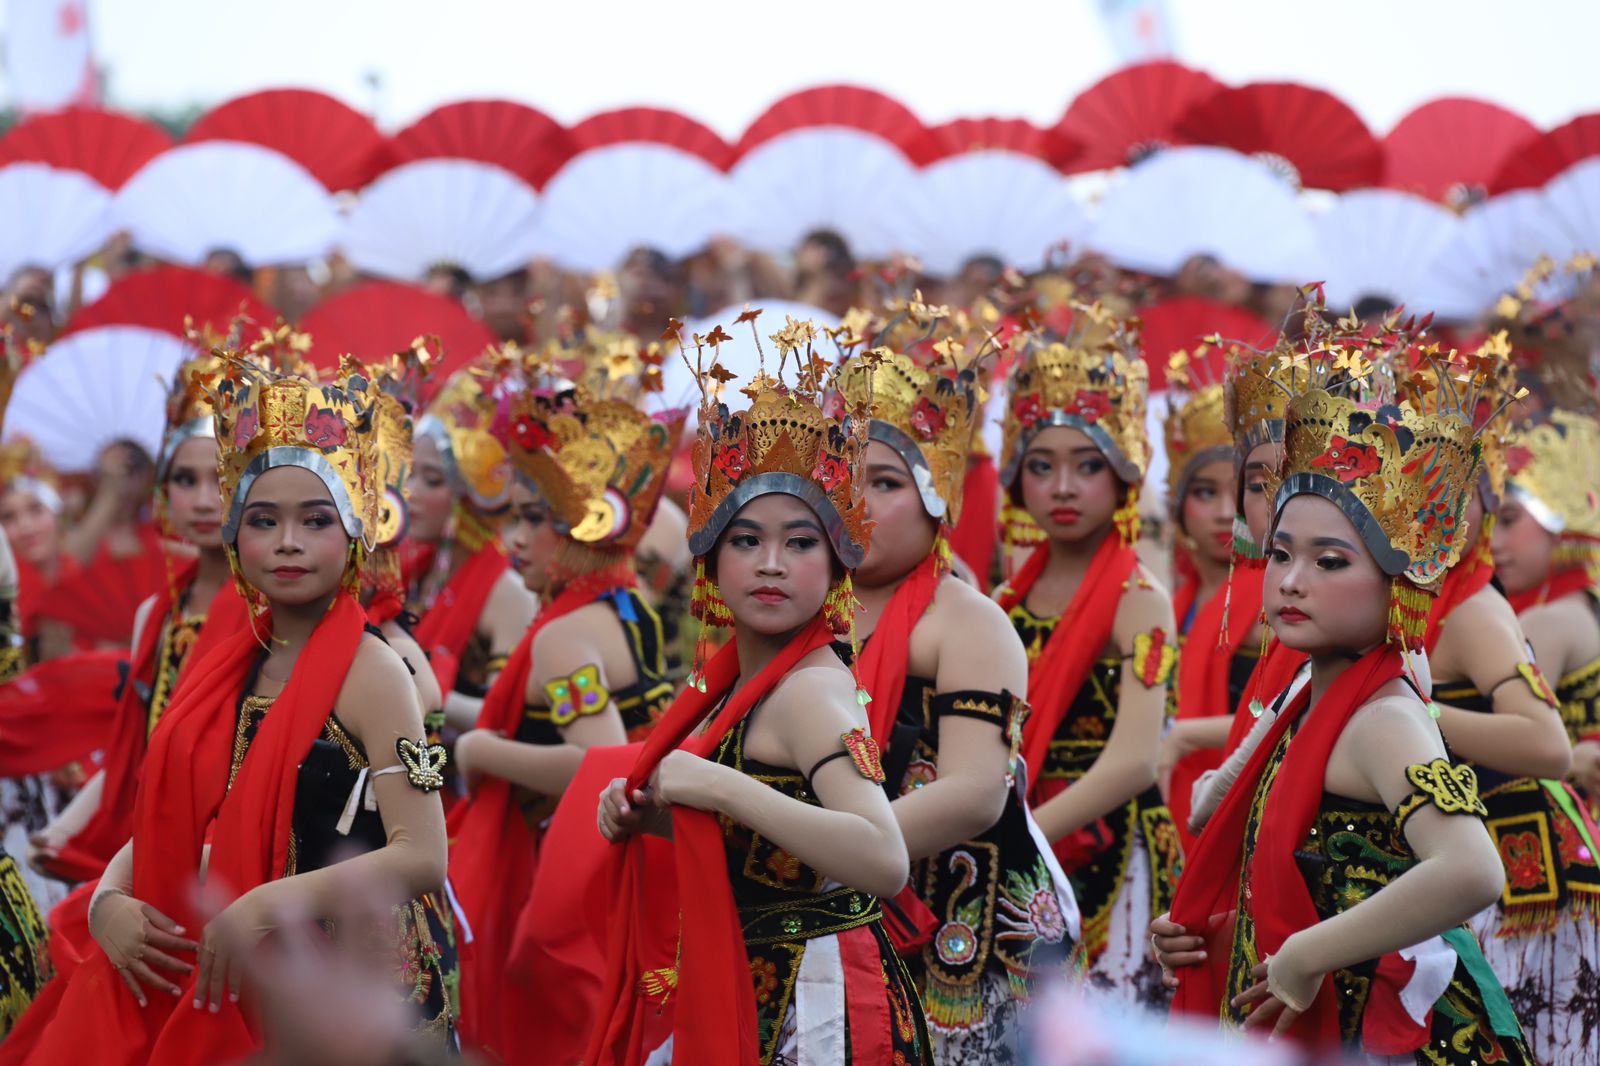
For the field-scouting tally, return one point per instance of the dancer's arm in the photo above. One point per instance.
(135, 936)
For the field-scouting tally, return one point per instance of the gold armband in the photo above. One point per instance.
(576, 695)
(424, 763)
(1153, 658)
(1451, 788)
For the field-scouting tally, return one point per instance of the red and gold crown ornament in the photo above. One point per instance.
(1195, 431)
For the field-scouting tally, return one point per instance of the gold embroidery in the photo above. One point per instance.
(864, 753)
(1536, 681)
(579, 694)
(1453, 789)
(335, 733)
(985, 708)
(255, 708)
(424, 763)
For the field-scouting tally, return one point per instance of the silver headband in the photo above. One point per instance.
(1093, 430)
(305, 459)
(1542, 513)
(704, 539)
(1390, 559)
(204, 426)
(906, 448)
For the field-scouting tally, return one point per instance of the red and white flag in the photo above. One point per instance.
(48, 63)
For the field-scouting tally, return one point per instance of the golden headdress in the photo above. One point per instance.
(1195, 431)
(1554, 465)
(782, 442)
(918, 380)
(1093, 381)
(595, 456)
(265, 420)
(189, 413)
(462, 423)
(398, 383)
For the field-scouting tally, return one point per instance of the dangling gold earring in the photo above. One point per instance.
(1126, 517)
(708, 607)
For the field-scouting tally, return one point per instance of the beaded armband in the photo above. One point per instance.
(1451, 788)
(864, 753)
(423, 763)
(1535, 678)
(576, 695)
(1153, 658)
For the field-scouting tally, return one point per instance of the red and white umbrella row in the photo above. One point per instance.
(1184, 166)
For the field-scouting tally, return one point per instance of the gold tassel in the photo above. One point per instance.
(708, 607)
(1126, 517)
(1408, 614)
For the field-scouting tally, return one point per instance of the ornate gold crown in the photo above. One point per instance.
(21, 463)
(1400, 471)
(783, 442)
(265, 420)
(1557, 344)
(465, 421)
(398, 382)
(922, 394)
(598, 459)
(189, 413)
(1196, 430)
(1554, 467)
(1493, 376)
(1093, 381)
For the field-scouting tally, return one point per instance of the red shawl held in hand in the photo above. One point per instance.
(448, 626)
(493, 853)
(1075, 642)
(1279, 902)
(714, 1021)
(86, 855)
(185, 789)
(1204, 670)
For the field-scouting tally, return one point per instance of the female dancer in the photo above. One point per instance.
(1350, 847)
(473, 608)
(946, 674)
(1218, 653)
(280, 745)
(590, 671)
(1098, 632)
(203, 608)
(784, 838)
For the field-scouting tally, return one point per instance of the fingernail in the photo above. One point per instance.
(180, 929)
(233, 997)
(176, 991)
(215, 1007)
(1202, 954)
(197, 1004)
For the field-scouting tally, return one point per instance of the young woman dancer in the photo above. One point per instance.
(1098, 630)
(763, 770)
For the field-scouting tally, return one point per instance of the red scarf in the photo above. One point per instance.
(99, 601)
(1075, 642)
(887, 654)
(1208, 892)
(58, 712)
(112, 824)
(185, 789)
(448, 627)
(1204, 670)
(714, 1021)
(1463, 581)
(1273, 673)
(1560, 584)
(973, 538)
(493, 853)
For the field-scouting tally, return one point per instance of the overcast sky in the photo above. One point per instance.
(723, 61)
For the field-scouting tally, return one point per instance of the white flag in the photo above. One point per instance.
(47, 60)
(1139, 29)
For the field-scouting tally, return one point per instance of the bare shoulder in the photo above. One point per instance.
(1396, 721)
(978, 646)
(378, 688)
(1487, 607)
(509, 593)
(376, 664)
(819, 686)
(574, 634)
(1144, 606)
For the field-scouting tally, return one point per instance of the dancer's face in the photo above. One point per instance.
(530, 536)
(1324, 592)
(291, 544)
(1264, 459)
(1068, 486)
(429, 498)
(32, 528)
(902, 532)
(1523, 549)
(774, 564)
(194, 499)
(1207, 512)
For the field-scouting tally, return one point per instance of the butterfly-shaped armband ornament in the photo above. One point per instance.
(1451, 787)
(423, 762)
(577, 695)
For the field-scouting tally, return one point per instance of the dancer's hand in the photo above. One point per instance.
(620, 816)
(688, 781)
(136, 937)
(1174, 948)
(1283, 991)
(1586, 765)
(227, 941)
(44, 847)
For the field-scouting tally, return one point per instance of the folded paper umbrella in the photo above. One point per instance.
(846, 106)
(377, 318)
(95, 387)
(1308, 135)
(1183, 323)
(1573, 199)
(1494, 246)
(333, 141)
(49, 218)
(228, 196)
(513, 136)
(651, 125)
(1193, 201)
(1381, 244)
(168, 297)
(1544, 155)
(963, 135)
(1450, 150)
(1132, 113)
(607, 201)
(109, 146)
(443, 212)
(990, 203)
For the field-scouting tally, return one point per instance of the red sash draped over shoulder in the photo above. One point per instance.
(184, 790)
(445, 630)
(1279, 903)
(714, 1010)
(1075, 642)
(493, 853)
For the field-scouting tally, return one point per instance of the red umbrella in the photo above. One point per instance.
(338, 144)
(651, 125)
(994, 135)
(106, 145)
(163, 298)
(1450, 150)
(1182, 323)
(1314, 132)
(1126, 115)
(523, 140)
(835, 105)
(1544, 155)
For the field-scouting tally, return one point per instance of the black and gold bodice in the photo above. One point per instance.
(1351, 851)
(994, 897)
(13, 648)
(179, 631)
(784, 904)
(640, 704)
(1578, 694)
(1240, 667)
(427, 972)
(1096, 857)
